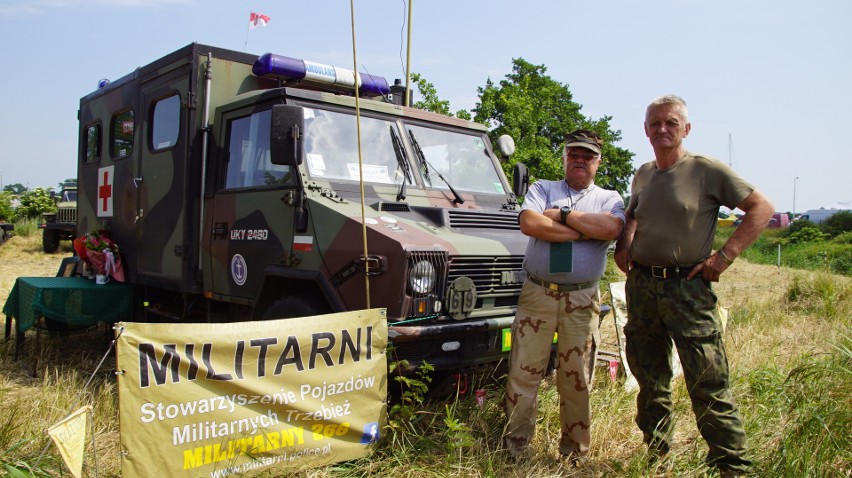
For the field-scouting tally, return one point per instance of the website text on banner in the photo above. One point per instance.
(222, 399)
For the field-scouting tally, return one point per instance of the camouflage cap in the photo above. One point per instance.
(584, 138)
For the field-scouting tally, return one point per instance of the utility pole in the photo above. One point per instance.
(794, 197)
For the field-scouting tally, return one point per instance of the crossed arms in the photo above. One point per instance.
(581, 225)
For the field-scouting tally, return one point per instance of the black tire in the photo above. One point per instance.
(289, 307)
(50, 240)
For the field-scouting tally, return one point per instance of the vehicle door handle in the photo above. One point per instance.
(220, 229)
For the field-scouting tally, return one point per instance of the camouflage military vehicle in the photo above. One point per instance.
(61, 224)
(232, 184)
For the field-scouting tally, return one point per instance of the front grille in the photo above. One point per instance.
(499, 277)
(66, 215)
(498, 280)
(464, 218)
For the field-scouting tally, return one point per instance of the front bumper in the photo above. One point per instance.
(450, 344)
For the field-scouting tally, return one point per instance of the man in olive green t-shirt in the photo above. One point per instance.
(666, 251)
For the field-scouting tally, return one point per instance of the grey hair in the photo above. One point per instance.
(669, 100)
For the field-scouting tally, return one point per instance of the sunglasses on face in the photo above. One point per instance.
(572, 156)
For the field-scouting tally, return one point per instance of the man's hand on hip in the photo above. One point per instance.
(710, 269)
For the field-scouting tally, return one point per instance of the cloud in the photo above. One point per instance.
(34, 8)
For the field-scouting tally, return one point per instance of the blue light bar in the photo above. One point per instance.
(286, 68)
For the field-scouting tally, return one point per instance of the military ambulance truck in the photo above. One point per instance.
(232, 184)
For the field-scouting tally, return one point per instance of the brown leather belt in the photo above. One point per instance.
(669, 272)
(561, 287)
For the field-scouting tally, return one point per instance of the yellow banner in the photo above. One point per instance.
(70, 437)
(215, 400)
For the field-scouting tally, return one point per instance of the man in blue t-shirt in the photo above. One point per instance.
(570, 224)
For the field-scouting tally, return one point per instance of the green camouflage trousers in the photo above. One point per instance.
(574, 317)
(663, 310)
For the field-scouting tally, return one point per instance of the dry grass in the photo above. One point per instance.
(766, 336)
(22, 256)
(37, 403)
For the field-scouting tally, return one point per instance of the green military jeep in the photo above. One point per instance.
(61, 224)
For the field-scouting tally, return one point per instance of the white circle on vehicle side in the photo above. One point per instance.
(239, 269)
(370, 220)
(388, 219)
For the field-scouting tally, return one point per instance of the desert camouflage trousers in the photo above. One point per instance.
(574, 317)
(684, 311)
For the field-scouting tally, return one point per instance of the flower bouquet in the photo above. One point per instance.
(100, 253)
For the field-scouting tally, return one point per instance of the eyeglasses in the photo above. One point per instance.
(584, 156)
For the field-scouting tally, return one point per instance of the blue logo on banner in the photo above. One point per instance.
(371, 433)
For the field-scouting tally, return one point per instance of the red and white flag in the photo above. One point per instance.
(303, 243)
(257, 20)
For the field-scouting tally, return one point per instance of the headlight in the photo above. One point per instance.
(422, 277)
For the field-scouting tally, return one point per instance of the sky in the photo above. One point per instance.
(767, 82)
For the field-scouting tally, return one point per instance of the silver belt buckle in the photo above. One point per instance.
(659, 272)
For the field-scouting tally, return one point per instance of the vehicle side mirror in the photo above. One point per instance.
(520, 179)
(286, 135)
(506, 146)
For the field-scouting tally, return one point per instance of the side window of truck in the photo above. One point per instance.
(165, 123)
(249, 161)
(93, 144)
(122, 134)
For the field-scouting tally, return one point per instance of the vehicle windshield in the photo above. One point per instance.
(462, 159)
(331, 148)
(331, 153)
(69, 195)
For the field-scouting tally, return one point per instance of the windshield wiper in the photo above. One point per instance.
(421, 158)
(402, 161)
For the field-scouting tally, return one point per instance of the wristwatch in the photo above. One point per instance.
(564, 211)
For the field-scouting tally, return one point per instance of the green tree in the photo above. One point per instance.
(69, 182)
(796, 226)
(36, 202)
(7, 213)
(837, 223)
(16, 188)
(537, 112)
(807, 234)
(430, 101)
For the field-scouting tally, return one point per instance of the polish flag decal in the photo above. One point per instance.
(303, 243)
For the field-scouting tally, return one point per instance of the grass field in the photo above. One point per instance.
(831, 255)
(789, 341)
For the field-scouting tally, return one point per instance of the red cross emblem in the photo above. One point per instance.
(105, 180)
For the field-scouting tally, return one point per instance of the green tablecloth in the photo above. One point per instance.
(71, 300)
